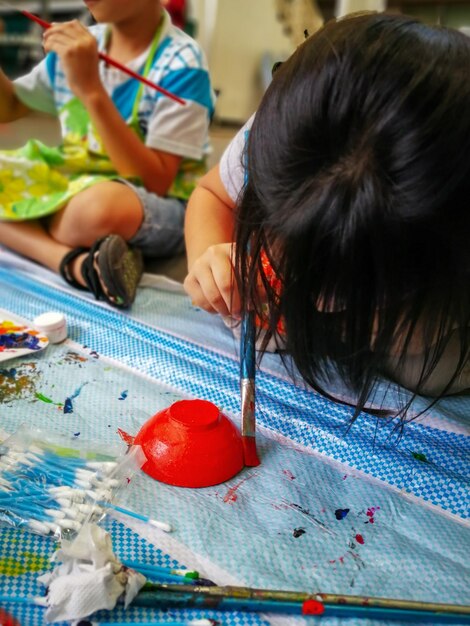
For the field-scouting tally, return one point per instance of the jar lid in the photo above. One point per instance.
(52, 320)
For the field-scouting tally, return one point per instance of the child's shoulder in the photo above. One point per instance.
(180, 50)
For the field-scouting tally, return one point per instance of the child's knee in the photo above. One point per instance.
(108, 208)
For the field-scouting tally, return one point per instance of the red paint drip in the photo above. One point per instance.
(289, 474)
(312, 607)
(360, 539)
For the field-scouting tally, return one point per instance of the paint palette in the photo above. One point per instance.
(17, 338)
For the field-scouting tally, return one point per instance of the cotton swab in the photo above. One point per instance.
(45, 492)
(104, 57)
(166, 575)
(37, 600)
(193, 622)
(184, 573)
(143, 518)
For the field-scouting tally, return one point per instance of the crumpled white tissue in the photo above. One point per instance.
(88, 577)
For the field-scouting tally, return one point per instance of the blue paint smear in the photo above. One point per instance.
(11, 373)
(123, 395)
(68, 405)
(341, 513)
(77, 391)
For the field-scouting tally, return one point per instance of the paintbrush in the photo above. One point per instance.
(104, 57)
(298, 603)
(248, 370)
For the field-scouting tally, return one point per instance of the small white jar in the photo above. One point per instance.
(52, 324)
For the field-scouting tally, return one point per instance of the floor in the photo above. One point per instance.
(46, 129)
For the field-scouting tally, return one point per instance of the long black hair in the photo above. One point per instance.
(358, 192)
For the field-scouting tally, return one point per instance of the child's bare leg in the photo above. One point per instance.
(32, 240)
(105, 208)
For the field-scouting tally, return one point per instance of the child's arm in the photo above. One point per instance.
(11, 108)
(78, 51)
(209, 243)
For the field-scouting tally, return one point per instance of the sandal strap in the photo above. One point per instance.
(89, 273)
(64, 268)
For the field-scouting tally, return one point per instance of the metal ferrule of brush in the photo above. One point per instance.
(247, 392)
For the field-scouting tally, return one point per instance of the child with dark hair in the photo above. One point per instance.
(355, 209)
(117, 186)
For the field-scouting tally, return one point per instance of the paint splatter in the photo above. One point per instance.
(74, 357)
(76, 434)
(419, 456)
(341, 513)
(316, 521)
(123, 395)
(360, 539)
(289, 474)
(16, 383)
(298, 532)
(129, 439)
(231, 496)
(370, 514)
(313, 607)
(43, 398)
(68, 406)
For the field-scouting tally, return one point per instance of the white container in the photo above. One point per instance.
(52, 324)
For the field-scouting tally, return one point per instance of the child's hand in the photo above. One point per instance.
(211, 284)
(78, 51)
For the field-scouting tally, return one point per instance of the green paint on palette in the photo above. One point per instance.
(419, 456)
(30, 562)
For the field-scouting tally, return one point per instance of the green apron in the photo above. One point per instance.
(38, 180)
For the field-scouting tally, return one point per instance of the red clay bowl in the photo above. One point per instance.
(191, 444)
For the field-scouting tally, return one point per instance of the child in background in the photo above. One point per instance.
(118, 185)
(355, 209)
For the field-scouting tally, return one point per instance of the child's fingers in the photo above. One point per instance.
(212, 292)
(204, 292)
(223, 276)
(72, 29)
(57, 43)
(197, 296)
(73, 34)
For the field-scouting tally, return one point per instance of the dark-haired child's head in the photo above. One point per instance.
(359, 191)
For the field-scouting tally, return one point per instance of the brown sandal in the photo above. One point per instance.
(111, 270)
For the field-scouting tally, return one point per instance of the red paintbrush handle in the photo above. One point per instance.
(110, 61)
(142, 79)
(35, 18)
